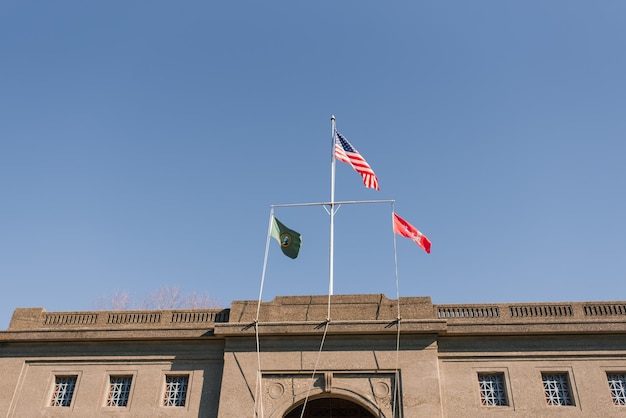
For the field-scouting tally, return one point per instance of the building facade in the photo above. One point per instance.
(319, 356)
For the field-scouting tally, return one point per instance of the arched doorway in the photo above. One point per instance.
(330, 407)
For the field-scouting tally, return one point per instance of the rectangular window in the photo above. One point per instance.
(175, 390)
(617, 386)
(119, 390)
(492, 389)
(63, 390)
(557, 389)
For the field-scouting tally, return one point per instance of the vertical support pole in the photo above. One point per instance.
(332, 209)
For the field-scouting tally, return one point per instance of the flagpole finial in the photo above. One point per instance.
(332, 117)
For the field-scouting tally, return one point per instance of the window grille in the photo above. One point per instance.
(557, 389)
(492, 389)
(63, 390)
(617, 386)
(119, 390)
(175, 390)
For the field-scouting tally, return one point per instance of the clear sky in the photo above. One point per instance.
(143, 142)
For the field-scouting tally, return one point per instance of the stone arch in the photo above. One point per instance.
(346, 396)
(330, 406)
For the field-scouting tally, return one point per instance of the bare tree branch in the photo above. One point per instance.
(162, 298)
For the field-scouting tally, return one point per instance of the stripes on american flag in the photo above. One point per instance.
(345, 152)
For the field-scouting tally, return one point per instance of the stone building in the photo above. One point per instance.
(500, 360)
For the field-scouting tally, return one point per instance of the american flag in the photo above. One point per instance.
(346, 153)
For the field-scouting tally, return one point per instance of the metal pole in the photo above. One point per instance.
(332, 208)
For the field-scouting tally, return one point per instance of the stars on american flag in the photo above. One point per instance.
(345, 152)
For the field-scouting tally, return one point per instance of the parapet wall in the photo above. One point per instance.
(37, 319)
(373, 312)
(342, 308)
(503, 311)
(534, 318)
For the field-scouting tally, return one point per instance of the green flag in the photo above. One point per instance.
(289, 240)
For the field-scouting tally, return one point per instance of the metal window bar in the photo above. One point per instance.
(492, 389)
(175, 390)
(557, 389)
(119, 390)
(63, 390)
(617, 386)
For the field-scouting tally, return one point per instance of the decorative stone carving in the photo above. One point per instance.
(371, 390)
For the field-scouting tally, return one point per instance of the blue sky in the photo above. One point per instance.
(142, 144)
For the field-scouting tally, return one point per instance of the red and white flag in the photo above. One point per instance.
(402, 227)
(345, 152)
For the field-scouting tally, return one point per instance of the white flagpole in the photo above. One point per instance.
(332, 208)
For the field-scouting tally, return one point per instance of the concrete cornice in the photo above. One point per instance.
(334, 327)
(82, 334)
